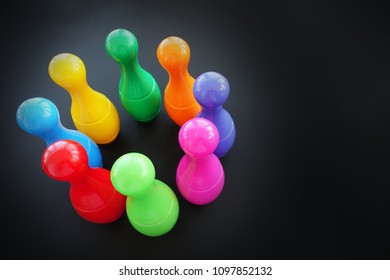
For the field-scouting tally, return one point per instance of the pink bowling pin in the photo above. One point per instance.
(200, 176)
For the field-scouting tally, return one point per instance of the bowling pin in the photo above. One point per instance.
(92, 112)
(211, 90)
(40, 117)
(173, 53)
(152, 207)
(138, 91)
(91, 192)
(200, 176)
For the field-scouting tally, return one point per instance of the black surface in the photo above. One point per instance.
(308, 176)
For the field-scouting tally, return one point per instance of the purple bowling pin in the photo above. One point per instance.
(211, 90)
(200, 176)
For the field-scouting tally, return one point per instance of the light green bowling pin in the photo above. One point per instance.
(152, 207)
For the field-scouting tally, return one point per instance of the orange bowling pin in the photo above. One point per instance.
(173, 53)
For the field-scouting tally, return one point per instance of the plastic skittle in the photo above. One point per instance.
(138, 91)
(152, 207)
(92, 112)
(200, 176)
(40, 117)
(173, 53)
(91, 192)
(211, 90)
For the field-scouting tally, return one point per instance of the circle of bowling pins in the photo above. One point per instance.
(152, 207)
(173, 53)
(98, 195)
(139, 93)
(200, 176)
(40, 117)
(92, 112)
(211, 90)
(91, 192)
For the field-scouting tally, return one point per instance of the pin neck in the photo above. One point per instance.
(211, 110)
(135, 77)
(130, 65)
(54, 134)
(132, 70)
(81, 178)
(180, 72)
(143, 194)
(200, 159)
(79, 89)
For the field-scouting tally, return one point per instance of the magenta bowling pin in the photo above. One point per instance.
(200, 176)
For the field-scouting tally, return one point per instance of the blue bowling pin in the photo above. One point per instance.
(211, 90)
(40, 117)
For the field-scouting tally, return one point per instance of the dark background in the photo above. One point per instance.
(308, 175)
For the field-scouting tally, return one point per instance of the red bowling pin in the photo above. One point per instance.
(91, 192)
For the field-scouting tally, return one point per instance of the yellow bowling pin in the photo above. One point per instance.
(92, 112)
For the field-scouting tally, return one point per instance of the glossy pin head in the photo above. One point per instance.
(173, 53)
(67, 70)
(65, 160)
(133, 174)
(211, 89)
(122, 45)
(37, 116)
(198, 137)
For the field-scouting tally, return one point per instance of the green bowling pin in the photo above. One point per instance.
(151, 206)
(138, 91)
